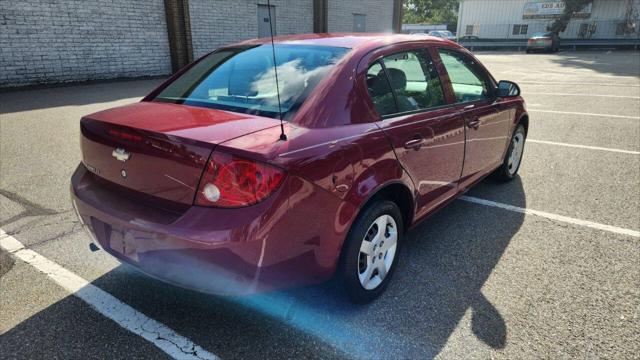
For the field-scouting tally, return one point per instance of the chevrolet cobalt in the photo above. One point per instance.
(222, 182)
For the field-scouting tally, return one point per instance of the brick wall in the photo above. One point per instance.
(379, 15)
(56, 41)
(219, 22)
(74, 40)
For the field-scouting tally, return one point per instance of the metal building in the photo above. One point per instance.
(519, 19)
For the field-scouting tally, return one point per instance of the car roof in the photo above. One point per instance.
(347, 40)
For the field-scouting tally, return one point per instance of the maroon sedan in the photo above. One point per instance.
(202, 186)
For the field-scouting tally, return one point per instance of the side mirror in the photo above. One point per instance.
(508, 89)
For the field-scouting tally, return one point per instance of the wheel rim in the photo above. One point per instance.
(377, 251)
(517, 145)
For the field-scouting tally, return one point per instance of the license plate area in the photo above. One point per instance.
(124, 245)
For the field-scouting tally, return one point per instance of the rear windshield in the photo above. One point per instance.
(242, 79)
(541, 34)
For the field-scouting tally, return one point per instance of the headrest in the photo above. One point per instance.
(398, 79)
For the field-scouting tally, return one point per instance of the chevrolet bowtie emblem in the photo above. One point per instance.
(121, 154)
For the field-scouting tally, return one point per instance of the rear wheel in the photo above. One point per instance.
(371, 251)
(512, 159)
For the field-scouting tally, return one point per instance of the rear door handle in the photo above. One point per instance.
(474, 124)
(415, 144)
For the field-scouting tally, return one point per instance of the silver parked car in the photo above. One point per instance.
(445, 34)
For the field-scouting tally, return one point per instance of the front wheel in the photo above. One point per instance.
(512, 159)
(371, 251)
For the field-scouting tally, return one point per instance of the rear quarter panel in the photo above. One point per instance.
(334, 171)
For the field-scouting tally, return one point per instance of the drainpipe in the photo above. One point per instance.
(397, 16)
(459, 26)
(179, 32)
(320, 11)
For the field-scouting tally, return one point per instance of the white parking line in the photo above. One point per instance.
(167, 340)
(583, 146)
(585, 114)
(575, 83)
(582, 95)
(556, 217)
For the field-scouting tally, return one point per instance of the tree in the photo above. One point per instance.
(570, 8)
(430, 11)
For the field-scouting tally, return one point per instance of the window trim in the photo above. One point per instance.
(418, 111)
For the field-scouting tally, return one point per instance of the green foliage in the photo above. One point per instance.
(571, 7)
(430, 11)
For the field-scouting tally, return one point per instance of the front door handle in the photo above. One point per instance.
(474, 124)
(415, 144)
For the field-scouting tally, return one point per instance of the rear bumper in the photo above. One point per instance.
(223, 251)
(539, 47)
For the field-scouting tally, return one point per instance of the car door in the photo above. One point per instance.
(427, 136)
(486, 123)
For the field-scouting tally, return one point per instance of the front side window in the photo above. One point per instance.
(243, 79)
(468, 83)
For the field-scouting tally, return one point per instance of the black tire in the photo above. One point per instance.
(528, 51)
(350, 261)
(505, 172)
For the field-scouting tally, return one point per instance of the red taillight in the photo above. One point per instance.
(229, 181)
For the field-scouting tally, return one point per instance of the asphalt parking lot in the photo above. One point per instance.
(556, 275)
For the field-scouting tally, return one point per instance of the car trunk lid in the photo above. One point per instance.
(159, 149)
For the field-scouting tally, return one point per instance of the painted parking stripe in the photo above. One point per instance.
(585, 114)
(575, 83)
(582, 95)
(555, 217)
(167, 340)
(583, 146)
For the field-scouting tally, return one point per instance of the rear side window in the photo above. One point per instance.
(468, 83)
(409, 79)
(414, 81)
(380, 90)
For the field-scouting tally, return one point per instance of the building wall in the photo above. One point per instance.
(495, 18)
(56, 41)
(219, 22)
(379, 15)
(76, 40)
